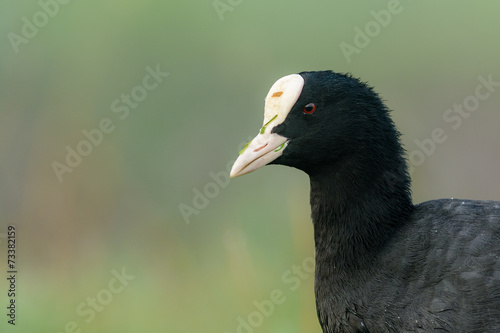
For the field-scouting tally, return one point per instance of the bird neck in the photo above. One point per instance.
(356, 210)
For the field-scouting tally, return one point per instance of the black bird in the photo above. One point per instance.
(382, 263)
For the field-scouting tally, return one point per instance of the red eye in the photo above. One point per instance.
(309, 108)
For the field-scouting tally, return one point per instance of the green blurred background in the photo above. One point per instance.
(121, 207)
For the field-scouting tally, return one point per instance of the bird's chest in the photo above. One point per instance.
(338, 308)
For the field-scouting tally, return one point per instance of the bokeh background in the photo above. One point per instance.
(199, 262)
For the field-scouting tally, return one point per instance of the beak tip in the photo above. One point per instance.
(233, 173)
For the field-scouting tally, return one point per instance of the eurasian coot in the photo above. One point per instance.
(382, 263)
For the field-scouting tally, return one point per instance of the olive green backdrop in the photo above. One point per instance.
(118, 120)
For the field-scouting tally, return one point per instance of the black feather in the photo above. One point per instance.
(382, 263)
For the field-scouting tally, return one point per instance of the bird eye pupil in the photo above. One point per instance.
(309, 108)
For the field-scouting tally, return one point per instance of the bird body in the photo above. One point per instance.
(429, 276)
(383, 264)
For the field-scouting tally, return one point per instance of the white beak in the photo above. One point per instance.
(267, 146)
(263, 149)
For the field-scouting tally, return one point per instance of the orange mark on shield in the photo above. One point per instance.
(277, 94)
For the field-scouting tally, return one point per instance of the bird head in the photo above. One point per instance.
(315, 119)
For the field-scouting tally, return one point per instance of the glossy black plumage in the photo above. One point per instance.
(382, 263)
